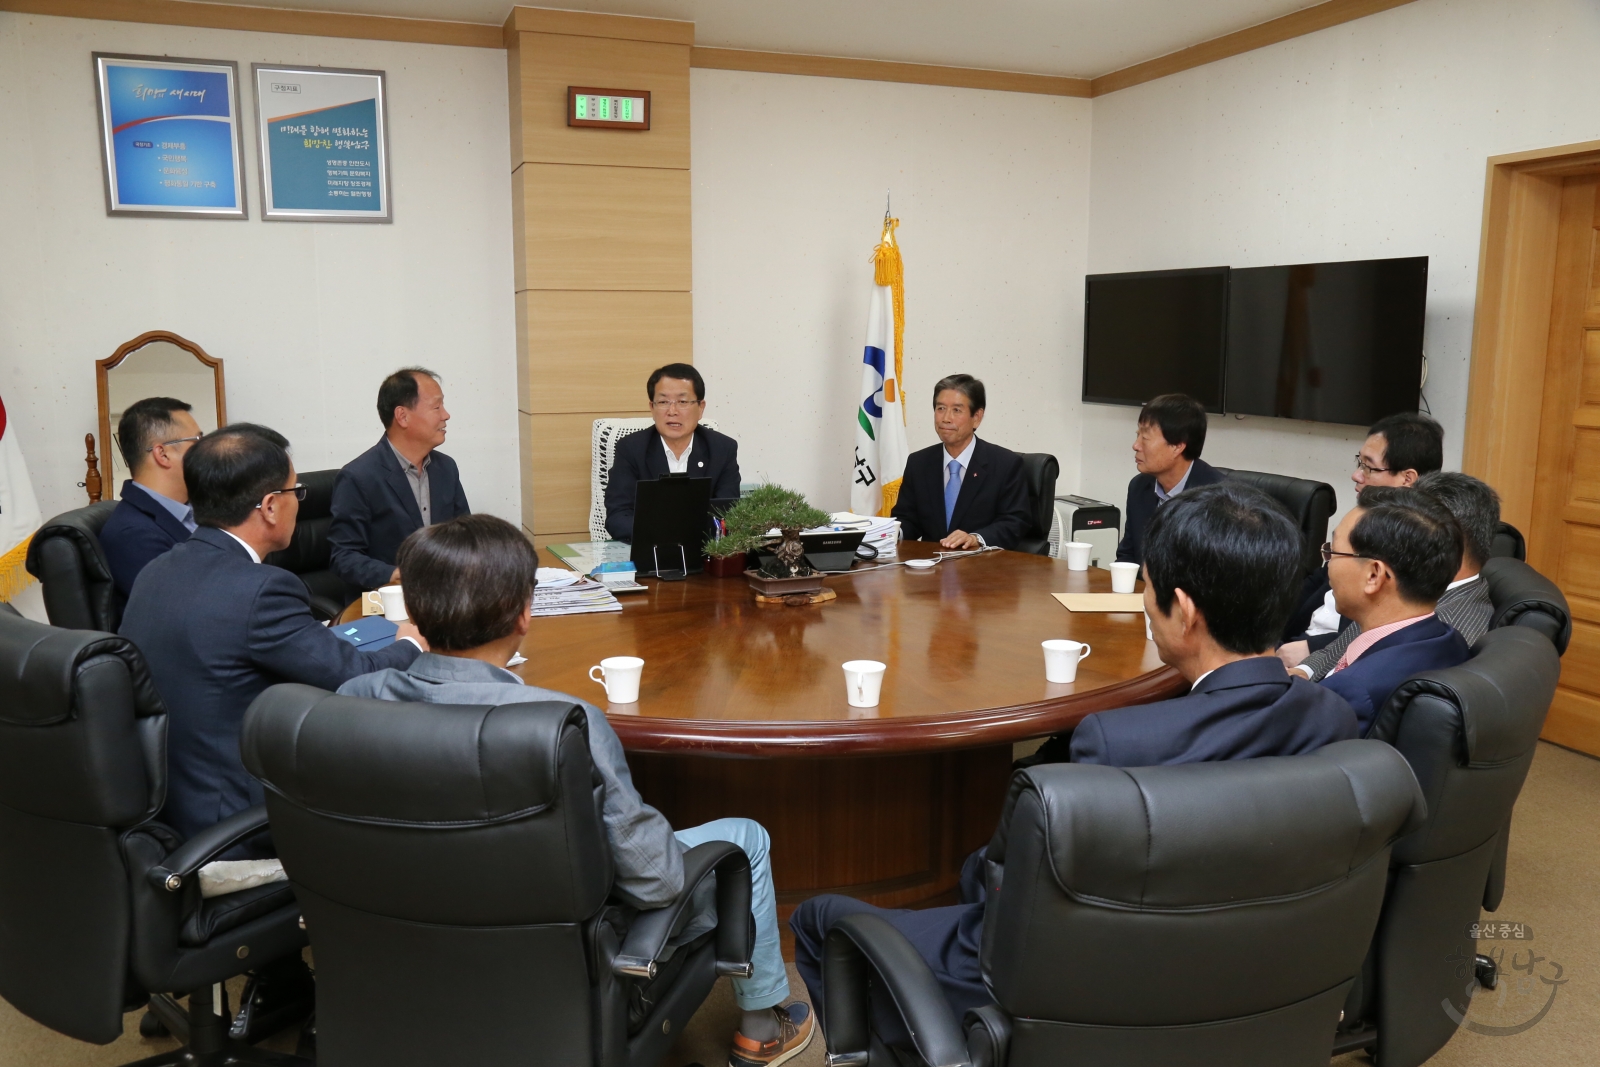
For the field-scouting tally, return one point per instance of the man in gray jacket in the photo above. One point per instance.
(468, 584)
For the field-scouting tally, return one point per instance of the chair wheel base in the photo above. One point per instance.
(232, 1056)
(151, 1026)
(1486, 971)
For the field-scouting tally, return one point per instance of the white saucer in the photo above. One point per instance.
(921, 564)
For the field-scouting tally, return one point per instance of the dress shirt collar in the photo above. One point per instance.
(678, 464)
(1164, 495)
(1457, 584)
(406, 466)
(965, 459)
(432, 667)
(255, 558)
(184, 513)
(1367, 638)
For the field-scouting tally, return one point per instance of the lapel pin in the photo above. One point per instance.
(702, 463)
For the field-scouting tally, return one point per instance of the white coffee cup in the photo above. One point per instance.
(620, 677)
(1078, 555)
(863, 682)
(1061, 659)
(1123, 575)
(394, 603)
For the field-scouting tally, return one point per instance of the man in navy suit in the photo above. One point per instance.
(678, 444)
(154, 512)
(1220, 568)
(963, 493)
(1166, 449)
(1392, 557)
(399, 485)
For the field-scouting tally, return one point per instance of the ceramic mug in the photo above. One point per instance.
(620, 677)
(863, 682)
(1061, 659)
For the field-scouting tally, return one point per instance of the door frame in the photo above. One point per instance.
(1511, 324)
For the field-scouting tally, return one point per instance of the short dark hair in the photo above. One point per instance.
(683, 372)
(967, 386)
(1475, 505)
(229, 471)
(1182, 420)
(1236, 552)
(1413, 533)
(399, 390)
(1411, 442)
(143, 424)
(467, 580)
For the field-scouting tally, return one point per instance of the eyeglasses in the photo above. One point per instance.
(1366, 468)
(298, 489)
(675, 405)
(1328, 553)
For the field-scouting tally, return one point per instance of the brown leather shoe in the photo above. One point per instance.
(795, 1026)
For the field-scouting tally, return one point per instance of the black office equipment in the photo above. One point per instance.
(670, 521)
(826, 550)
(1151, 332)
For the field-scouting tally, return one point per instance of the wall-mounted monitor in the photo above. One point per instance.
(1332, 342)
(1152, 332)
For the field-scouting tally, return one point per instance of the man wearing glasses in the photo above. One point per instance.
(678, 444)
(154, 512)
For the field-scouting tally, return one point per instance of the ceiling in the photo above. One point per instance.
(1078, 38)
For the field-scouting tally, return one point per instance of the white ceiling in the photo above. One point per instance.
(1081, 38)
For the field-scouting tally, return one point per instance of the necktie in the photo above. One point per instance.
(952, 489)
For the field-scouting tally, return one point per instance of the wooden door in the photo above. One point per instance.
(1564, 541)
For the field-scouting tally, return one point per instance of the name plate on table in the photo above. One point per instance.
(1101, 601)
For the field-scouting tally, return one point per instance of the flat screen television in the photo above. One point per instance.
(1333, 342)
(1151, 332)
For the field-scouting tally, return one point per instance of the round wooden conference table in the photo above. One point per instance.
(742, 709)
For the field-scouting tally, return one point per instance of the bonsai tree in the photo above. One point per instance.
(766, 508)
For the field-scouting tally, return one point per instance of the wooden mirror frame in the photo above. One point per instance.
(102, 385)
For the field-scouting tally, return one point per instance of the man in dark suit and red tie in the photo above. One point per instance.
(963, 493)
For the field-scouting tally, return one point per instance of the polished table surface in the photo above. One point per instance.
(726, 675)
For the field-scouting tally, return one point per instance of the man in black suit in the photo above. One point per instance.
(677, 445)
(154, 512)
(1220, 564)
(400, 484)
(963, 493)
(1166, 449)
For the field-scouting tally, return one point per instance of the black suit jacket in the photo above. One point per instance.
(374, 510)
(138, 531)
(993, 502)
(216, 629)
(1368, 683)
(642, 456)
(1142, 503)
(1248, 708)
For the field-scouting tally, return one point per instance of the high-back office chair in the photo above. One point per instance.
(1211, 913)
(1309, 503)
(100, 905)
(480, 902)
(1040, 471)
(1521, 596)
(66, 557)
(1469, 733)
(308, 555)
(602, 454)
(1508, 541)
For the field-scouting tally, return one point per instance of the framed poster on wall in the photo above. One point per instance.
(324, 144)
(169, 130)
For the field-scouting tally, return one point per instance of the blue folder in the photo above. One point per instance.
(368, 634)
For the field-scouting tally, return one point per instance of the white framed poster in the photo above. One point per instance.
(324, 144)
(169, 130)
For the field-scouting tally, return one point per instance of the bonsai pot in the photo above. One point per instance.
(725, 566)
(811, 583)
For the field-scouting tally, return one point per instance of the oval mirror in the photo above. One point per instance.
(157, 363)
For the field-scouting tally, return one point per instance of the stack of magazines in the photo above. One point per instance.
(565, 593)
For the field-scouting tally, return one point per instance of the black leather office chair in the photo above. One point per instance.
(66, 557)
(1509, 542)
(308, 555)
(481, 900)
(100, 905)
(1040, 470)
(1211, 913)
(1469, 733)
(1521, 596)
(1309, 503)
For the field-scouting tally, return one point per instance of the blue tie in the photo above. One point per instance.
(952, 489)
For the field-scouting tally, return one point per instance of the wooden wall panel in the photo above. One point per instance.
(553, 62)
(591, 227)
(595, 24)
(555, 455)
(590, 351)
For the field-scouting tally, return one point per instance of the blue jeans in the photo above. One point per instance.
(769, 985)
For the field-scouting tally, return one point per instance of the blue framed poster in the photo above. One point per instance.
(170, 133)
(324, 144)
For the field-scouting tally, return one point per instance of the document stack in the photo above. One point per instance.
(880, 532)
(561, 592)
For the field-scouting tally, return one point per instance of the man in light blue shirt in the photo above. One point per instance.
(154, 513)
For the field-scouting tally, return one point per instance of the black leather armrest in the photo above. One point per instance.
(988, 1035)
(859, 946)
(651, 930)
(204, 847)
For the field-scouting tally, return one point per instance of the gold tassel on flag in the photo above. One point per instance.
(888, 269)
(14, 577)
